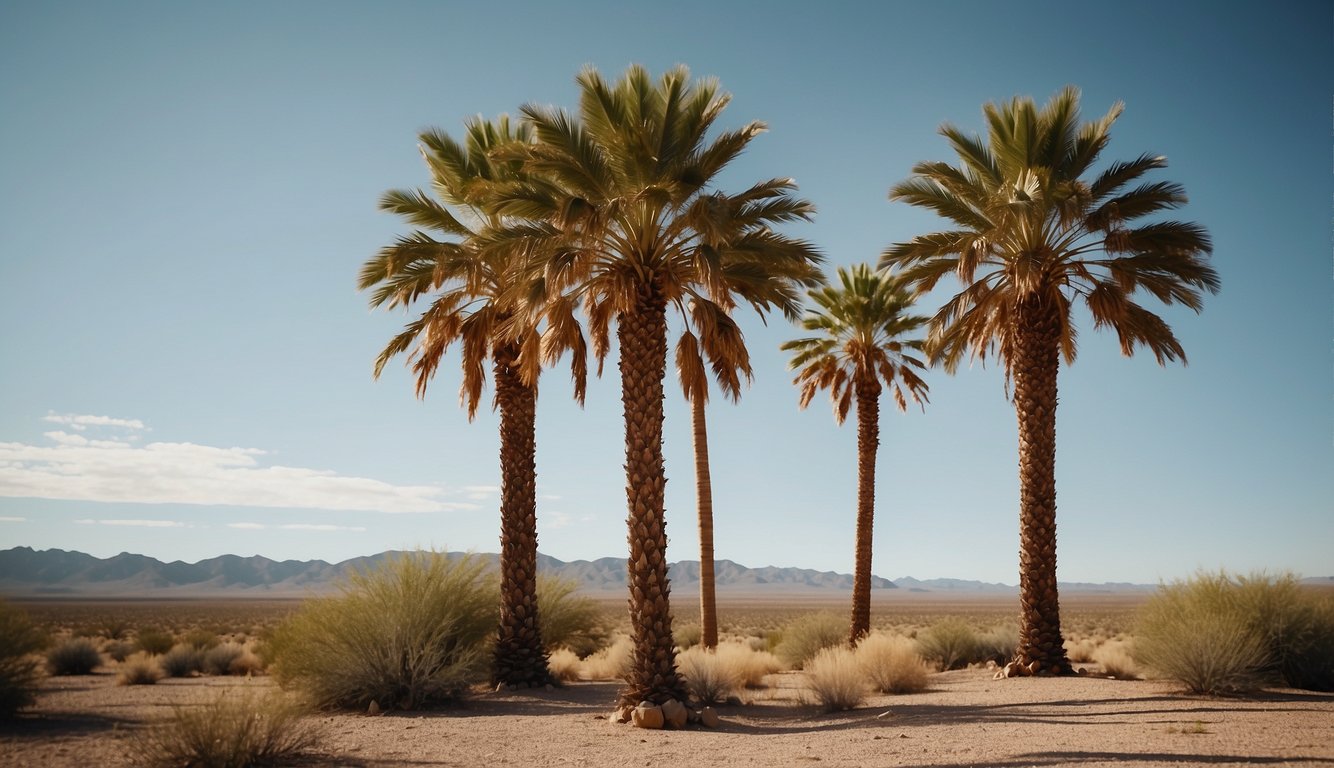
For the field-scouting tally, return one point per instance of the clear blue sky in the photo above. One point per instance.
(187, 191)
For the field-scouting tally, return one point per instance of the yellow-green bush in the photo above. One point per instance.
(231, 732)
(19, 641)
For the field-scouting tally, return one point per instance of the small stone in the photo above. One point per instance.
(623, 714)
(674, 714)
(647, 717)
(708, 717)
(374, 708)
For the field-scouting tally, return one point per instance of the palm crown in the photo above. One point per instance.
(862, 324)
(1030, 227)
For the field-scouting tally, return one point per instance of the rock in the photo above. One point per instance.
(374, 708)
(708, 717)
(674, 714)
(622, 714)
(647, 716)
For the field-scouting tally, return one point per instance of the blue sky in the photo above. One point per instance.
(188, 191)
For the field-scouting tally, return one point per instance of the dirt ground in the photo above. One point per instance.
(965, 719)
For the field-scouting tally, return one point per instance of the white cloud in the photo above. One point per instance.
(480, 492)
(134, 523)
(319, 527)
(555, 520)
(13, 519)
(549, 497)
(78, 469)
(80, 422)
(248, 526)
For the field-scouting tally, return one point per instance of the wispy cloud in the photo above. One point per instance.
(73, 467)
(481, 492)
(13, 519)
(80, 422)
(135, 523)
(296, 527)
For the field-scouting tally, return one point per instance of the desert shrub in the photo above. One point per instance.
(248, 663)
(201, 639)
(19, 641)
(709, 677)
(1082, 650)
(139, 669)
(563, 664)
(112, 628)
(950, 644)
(1297, 627)
(76, 656)
(569, 619)
(808, 635)
(687, 636)
(154, 642)
(750, 664)
(218, 660)
(610, 663)
(891, 664)
(998, 644)
(414, 632)
(1196, 632)
(182, 661)
(230, 732)
(118, 650)
(1116, 660)
(835, 679)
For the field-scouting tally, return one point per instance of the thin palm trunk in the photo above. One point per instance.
(708, 607)
(868, 442)
(1036, 365)
(643, 363)
(520, 658)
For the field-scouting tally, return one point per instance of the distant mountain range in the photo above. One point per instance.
(25, 572)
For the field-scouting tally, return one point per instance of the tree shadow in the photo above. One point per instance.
(1130, 758)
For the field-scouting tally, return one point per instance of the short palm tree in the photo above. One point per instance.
(1037, 230)
(468, 307)
(631, 227)
(862, 348)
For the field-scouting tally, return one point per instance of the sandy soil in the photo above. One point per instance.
(965, 719)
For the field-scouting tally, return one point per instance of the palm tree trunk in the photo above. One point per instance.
(1036, 365)
(519, 658)
(708, 607)
(868, 441)
(643, 340)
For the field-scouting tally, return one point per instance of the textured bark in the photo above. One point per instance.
(643, 341)
(708, 605)
(868, 442)
(520, 658)
(1035, 367)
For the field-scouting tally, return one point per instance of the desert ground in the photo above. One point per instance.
(964, 718)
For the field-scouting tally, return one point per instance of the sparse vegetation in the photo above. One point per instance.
(139, 669)
(1297, 627)
(75, 656)
(218, 660)
(1196, 632)
(751, 665)
(201, 639)
(413, 633)
(836, 679)
(1116, 660)
(154, 642)
(711, 678)
(687, 636)
(232, 732)
(998, 644)
(563, 664)
(950, 644)
(182, 661)
(808, 635)
(891, 663)
(19, 641)
(569, 619)
(610, 663)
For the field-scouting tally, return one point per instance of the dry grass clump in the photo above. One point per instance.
(231, 658)
(835, 679)
(19, 641)
(710, 677)
(610, 663)
(1117, 660)
(76, 656)
(412, 633)
(1196, 632)
(1081, 651)
(201, 639)
(231, 732)
(1297, 627)
(687, 636)
(998, 644)
(139, 669)
(182, 661)
(118, 650)
(563, 664)
(892, 664)
(154, 642)
(569, 620)
(949, 644)
(808, 635)
(750, 664)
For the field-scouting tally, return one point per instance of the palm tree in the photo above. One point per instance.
(1033, 235)
(860, 351)
(469, 307)
(630, 225)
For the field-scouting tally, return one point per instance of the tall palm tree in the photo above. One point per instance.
(630, 225)
(862, 349)
(1037, 229)
(469, 306)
